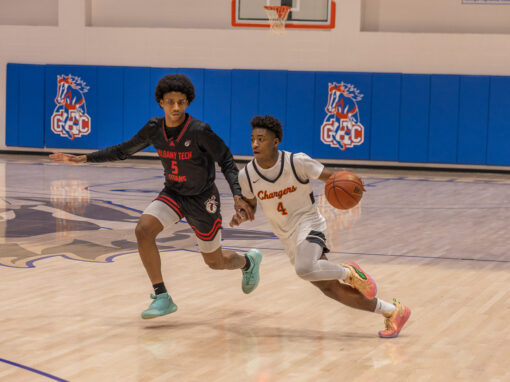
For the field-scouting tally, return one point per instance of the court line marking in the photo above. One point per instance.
(240, 249)
(110, 259)
(33, 370)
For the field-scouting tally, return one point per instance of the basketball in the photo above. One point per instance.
(344, 190)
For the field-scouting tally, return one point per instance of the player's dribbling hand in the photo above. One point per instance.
(241, 206)
(68, 158)
(238, 218)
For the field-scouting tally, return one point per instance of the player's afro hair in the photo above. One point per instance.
(175, 83)
(269, 123)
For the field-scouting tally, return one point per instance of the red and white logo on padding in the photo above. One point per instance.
(70, 118)
(341, 127)
(211, 204)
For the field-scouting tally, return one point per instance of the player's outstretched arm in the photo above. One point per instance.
(68, 158)
(325, 174)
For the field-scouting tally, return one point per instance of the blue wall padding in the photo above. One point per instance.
(273, 95)
(138, 100)
(443, 119)
(110, 92)
(25, 105)
(450, 119)
(473, 119)
(245, 98)
(385, 116)
(498, 138)
(414, 118)
(31, 107)
(217, 109)
(12, 105)
(298, 132)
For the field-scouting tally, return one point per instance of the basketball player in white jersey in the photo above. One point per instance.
(280, 182)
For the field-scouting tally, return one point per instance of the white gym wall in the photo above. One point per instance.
(410, 36)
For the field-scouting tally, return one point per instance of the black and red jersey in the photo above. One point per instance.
(188, 156)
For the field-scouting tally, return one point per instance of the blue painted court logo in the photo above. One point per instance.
(70, 118)
(342, 127)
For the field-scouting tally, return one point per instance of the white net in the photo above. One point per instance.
(277, 16)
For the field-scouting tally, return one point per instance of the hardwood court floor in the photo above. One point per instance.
(73, 287)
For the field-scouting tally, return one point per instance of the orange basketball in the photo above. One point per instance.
(344, 190)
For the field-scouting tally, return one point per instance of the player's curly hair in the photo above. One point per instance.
(175, 83)
(269, 123)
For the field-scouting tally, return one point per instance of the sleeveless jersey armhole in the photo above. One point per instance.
(294, 170)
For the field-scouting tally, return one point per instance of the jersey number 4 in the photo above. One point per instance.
(281, 209)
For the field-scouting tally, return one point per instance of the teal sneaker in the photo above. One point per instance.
(251, 276)
(162, 304)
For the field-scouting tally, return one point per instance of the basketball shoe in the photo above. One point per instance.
(360, 280)
(251, 276)
(162, 304)
(395, 321)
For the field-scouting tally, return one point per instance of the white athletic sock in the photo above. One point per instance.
(345, 272)
(384, 307)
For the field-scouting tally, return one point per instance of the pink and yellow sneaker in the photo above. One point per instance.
(395, 321)
(360, 280)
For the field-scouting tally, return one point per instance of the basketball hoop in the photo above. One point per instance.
(277, 16)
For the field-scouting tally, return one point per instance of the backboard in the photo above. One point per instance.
(315, 14)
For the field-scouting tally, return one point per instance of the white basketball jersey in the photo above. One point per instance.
(287, 201)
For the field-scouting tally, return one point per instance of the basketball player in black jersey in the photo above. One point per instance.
(188, 150)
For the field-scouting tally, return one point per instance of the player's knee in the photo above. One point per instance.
(303, 270)
(145, 231)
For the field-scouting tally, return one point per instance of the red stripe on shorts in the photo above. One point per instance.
(170, 203)
(209, 235)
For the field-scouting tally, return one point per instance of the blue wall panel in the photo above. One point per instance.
(12, 105)
(217, 93)
(31, 106)
(110, 101)
(414, 118)
(245, 89)
(299, 129)
(137, 101)
(272, 97)
(473, 119)
(362, 83)
(408, 118)
(385, 116)
(88, 75)
(498, 137)
(444, 118)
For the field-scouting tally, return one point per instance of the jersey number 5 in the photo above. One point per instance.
(281, 209)
(175, 169)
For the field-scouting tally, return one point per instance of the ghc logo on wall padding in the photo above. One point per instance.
(341, 127)
(70, 118)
